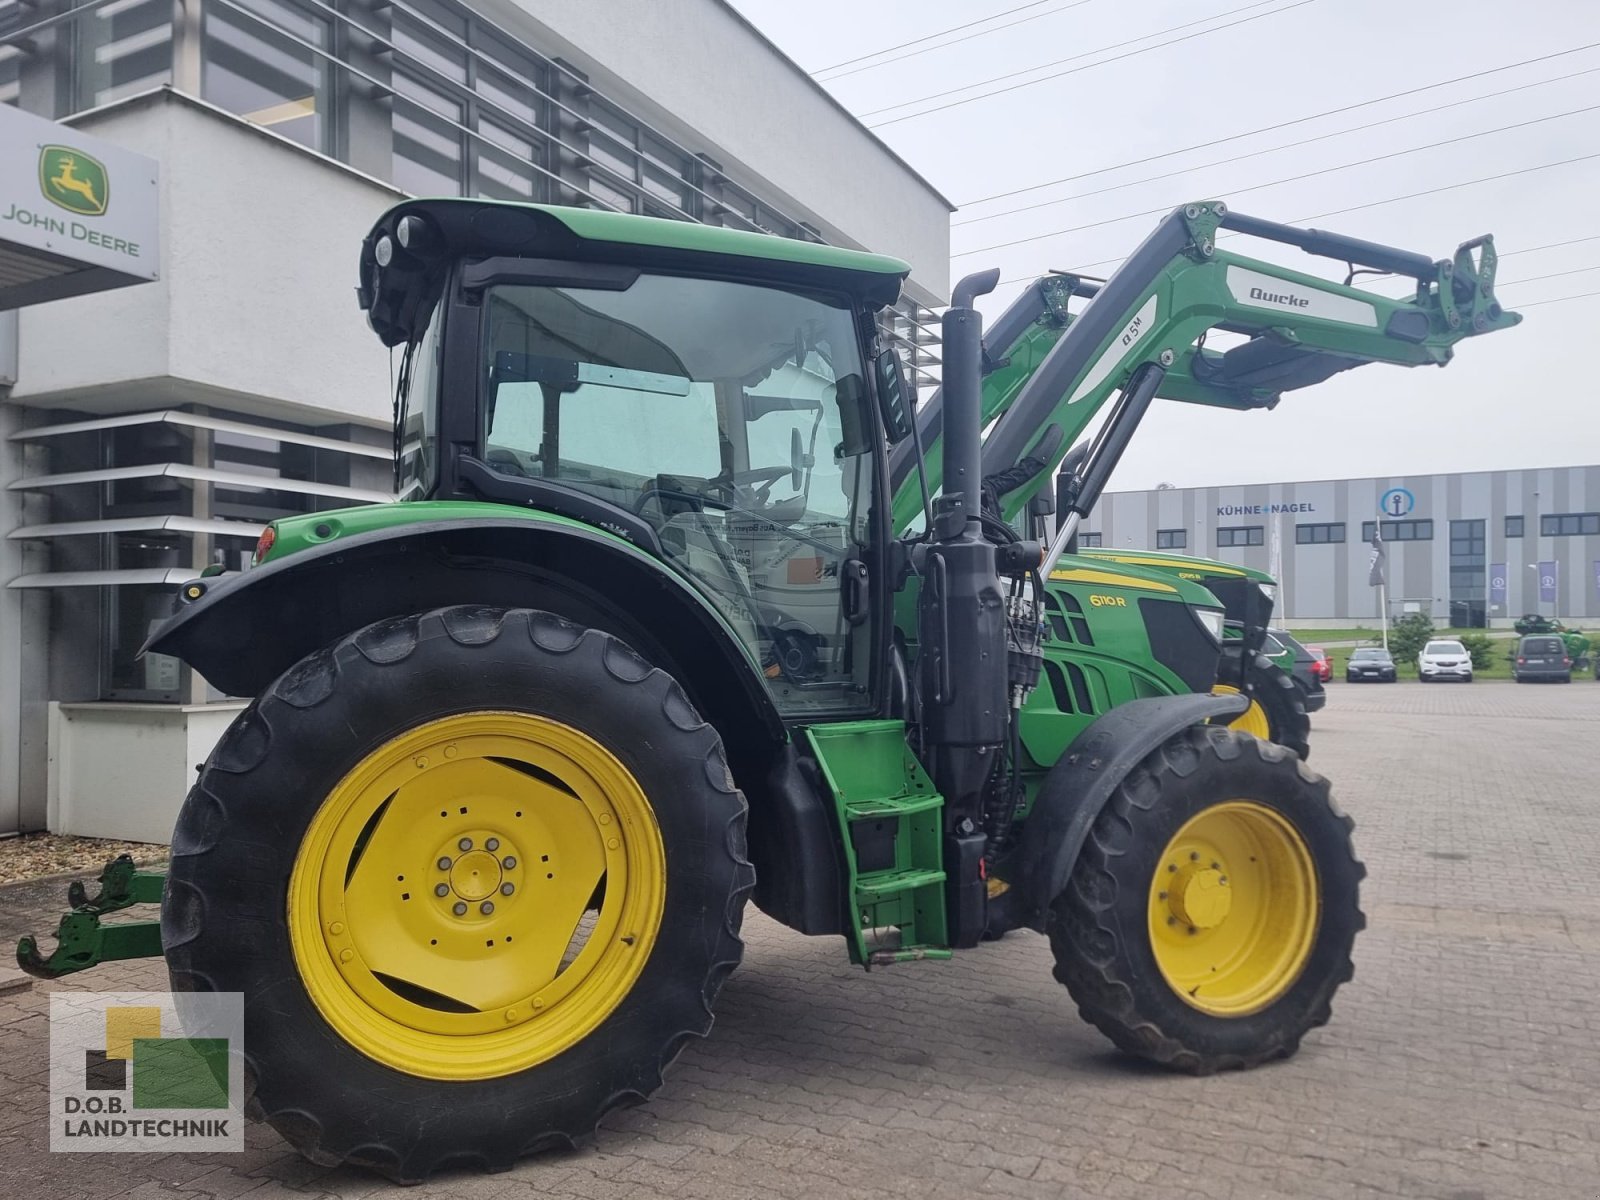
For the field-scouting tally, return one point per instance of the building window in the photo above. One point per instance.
(1513, 527)
(1172, 539)
(1319, 535)
(1569, 524)
(1239, 535)
(121, 49)
(1400, 531)
(1087, 541)
(270, 79)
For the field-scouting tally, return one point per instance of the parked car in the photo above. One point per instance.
(1290, 657)
(1543, 656)
(1370, 663)
(1444, 659)
(1320, 666)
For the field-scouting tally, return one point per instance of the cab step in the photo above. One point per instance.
(891, 820)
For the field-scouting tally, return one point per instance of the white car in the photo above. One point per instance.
(1444, 660)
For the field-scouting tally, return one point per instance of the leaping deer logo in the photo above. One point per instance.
(67, 181)
(73, 180)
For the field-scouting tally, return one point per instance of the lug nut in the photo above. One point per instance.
(509, 861)
(460, 908)
(465, 843)
(1193, 856)
(506, 889)
(442, 889)
(444, 862)
(492, 844)
(486, 907)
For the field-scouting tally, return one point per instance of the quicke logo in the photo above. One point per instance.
(1288, 298)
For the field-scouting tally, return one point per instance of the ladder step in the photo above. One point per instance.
(883, 883)
(892, 806)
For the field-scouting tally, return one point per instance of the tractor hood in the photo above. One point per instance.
(405, 257)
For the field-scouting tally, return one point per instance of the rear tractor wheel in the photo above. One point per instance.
(1211, 914)
(479, 874)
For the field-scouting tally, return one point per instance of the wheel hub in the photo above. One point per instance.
(475, 876)
(1200, 897)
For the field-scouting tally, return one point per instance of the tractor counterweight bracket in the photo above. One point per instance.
(82, 941)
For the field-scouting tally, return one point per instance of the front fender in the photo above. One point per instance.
(1082, 780)
(243, 631)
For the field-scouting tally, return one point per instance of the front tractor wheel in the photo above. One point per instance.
(479, 874)
(1277, 713)
(1211, 914)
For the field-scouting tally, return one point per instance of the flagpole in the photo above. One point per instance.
(1383, 613)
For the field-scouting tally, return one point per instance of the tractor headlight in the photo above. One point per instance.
(383, 251)
(1270, 591)
(1211, 621)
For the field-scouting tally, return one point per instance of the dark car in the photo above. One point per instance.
(1304, 672)
(1543, 656)
(1370, 664)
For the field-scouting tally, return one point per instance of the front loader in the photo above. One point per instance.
(641, 640)
(1037, 399)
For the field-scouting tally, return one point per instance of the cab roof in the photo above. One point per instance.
(395, 295)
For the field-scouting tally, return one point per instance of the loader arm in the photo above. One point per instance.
(1049, 370)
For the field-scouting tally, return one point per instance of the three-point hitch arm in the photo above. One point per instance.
(1142, 333)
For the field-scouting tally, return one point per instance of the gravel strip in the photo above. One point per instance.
(35, 855)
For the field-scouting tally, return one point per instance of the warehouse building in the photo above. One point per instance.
(1474, 549)
(149, 431)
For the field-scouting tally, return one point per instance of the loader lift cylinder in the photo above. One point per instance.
(963, 625)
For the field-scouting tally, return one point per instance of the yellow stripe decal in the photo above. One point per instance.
(1109, 579)
(1134, 560)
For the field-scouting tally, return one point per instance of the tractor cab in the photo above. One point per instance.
(712, 399)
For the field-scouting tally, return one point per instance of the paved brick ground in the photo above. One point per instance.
(1463, 1063)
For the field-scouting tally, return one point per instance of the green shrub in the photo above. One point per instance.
(1481, 647)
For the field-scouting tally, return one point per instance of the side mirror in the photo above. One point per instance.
(799, 461)
(894, 396)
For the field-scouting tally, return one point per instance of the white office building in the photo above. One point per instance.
(1471, 549)
(149, 431)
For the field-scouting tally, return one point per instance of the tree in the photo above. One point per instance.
(1407, 637)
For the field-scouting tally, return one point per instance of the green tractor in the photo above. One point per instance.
(642, 641)
(1277, 708)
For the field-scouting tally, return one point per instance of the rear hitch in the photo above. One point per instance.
(82, 941)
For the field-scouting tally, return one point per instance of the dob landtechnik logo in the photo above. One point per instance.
(146, 1071)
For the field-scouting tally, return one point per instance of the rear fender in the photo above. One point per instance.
(1082, 780)
(243, 631)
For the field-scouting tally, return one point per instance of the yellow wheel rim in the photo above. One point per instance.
(1233, 908)
(477, 895)
(1252, 720)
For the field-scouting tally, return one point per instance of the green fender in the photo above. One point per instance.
(243, 631)
(1082, 780)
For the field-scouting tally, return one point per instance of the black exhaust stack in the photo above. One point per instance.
(962, 623)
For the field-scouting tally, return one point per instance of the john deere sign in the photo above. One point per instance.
(76, 214)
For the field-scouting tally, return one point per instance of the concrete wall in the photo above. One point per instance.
(705, 76)
(255, 309)
(122, 770)
(1328, 582)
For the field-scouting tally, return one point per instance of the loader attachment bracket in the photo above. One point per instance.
(82, 940)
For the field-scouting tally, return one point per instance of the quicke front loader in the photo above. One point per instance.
(644, 639)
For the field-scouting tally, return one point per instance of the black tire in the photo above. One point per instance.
(1098, 926)
(223, 925)
(1280, 699)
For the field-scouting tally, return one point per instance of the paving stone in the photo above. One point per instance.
(1461, 1062)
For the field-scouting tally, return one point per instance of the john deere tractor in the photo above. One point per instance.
(1277, 706)
(642, 640)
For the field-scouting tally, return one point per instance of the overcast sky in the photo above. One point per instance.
(1519, 398)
